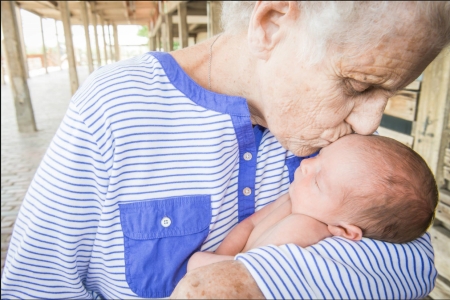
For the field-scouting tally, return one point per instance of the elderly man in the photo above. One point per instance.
(157, 158)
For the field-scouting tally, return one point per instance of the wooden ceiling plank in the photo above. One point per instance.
(104, 5)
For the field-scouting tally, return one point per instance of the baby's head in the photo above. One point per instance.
(368, 186)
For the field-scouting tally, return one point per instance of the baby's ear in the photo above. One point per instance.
(347, 231)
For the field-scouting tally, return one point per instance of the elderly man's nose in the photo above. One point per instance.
(366, 117)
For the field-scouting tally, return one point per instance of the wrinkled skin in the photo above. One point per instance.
(309, 107)
(223, 280)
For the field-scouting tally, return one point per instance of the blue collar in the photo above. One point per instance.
(231, 105)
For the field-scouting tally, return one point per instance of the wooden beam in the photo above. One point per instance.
(157, 26)
(125, 10)
(214, 11)
(193, 27)
(22, 41)
(191, 19)
(151, 39)
(431, 133)
(440, 237)
(183, 31)
(158, 40)
(105, 48)
(401, 137)
(169, 32)
(402, 105)
(441, 289)
(97, 47)
(413, 86)
(152, 43)
(49, 4)
(164, 45)
(447, 157)
(57, 46)
(116, 43)
(169, 7)
(84, 16)
(17, 78)
(3, 69)
(104, 5)
(443, 212)
(65, 16)
(44, 49)
(109, 41)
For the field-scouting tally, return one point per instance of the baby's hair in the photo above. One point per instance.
(401, 198)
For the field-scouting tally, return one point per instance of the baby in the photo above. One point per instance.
(369, 186)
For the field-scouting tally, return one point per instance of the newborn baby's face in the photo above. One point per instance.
(321, 183)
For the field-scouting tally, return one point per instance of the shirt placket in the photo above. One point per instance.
(247, 166)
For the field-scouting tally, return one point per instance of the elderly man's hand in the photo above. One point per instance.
(223, 280)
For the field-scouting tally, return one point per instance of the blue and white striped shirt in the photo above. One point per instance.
(148, 167)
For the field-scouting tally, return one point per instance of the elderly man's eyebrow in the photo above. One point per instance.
(381, 86)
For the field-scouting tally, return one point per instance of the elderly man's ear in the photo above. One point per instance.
(347, 231)
(268, 24)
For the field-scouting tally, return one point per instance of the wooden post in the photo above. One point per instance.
(151, 43)
(57, 46)
(3, 69)
(65, 16)
(164, 45)
(105, 47)
(22, 41)
(158, 40)
(214, 11)
(151, 39)
(97, 47)
(18, 80)
(109, 41)
(434, 113)
(84, 16)
(44, 49)
(432, 134)
(116, 43)
(169, 32)
(183, 30)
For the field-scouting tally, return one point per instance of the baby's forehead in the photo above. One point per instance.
(364, 148)
(364, 157)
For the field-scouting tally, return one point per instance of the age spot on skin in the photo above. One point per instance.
(195, 283)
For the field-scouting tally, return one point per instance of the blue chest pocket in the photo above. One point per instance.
(159, 238)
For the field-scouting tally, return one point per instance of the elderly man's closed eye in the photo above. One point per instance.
(160, 156)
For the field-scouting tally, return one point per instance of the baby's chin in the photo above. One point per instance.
(292, 193)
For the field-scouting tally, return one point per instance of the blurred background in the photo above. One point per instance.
(50, 47)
